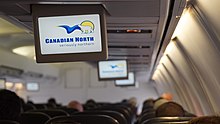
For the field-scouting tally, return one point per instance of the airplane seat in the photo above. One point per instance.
(33, 118)
(70, 111)
(52, 112)
(188, 114)
(131, 109)
(117, 109)
(40, 106)
(147, 107)
(167, 120)
(116, 115)
(183, 122)
(127, 107)
(148, 111)
(132, 113)
(146, 116)
(28, 107)
(51, 106)
(103, 103)
(8, 122)
(84, 119)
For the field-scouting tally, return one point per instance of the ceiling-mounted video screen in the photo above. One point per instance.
(127, 82)
(113, 70)
(66, 33)
(2, 83)
(32, 86)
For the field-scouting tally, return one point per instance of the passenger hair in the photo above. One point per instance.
(75, 105)
(205, 120)
(10, 105)
(52, 103)
(170, 109)
(149, 101)
(52, 100)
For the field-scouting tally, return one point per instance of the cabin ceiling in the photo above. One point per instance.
(139, 49)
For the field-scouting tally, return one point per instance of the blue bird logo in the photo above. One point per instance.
(70, 29)
(85, 27)
(114, 66)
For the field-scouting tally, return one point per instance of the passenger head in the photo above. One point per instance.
(90, 101)
(205, 120)
(75, 105)
(90, 104)
(10, 105)
(30, 102)
(133, 101)
(124, 101)
(52, 102)
(170, 109)
(149, 102)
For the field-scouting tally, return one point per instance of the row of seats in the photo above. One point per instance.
(99, 113)
(41, 118)
(109, 114)
(118, 113)
(162, 111)
(158, 111)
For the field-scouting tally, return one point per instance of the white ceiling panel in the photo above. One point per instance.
(122, 15)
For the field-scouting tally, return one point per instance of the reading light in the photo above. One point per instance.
(27, 51)
(9, 85)
(177, 17)
(133, 31)
(18, 86)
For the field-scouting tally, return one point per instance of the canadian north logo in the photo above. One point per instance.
(86, 27)
(117, 66)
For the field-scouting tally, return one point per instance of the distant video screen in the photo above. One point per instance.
(32, 86)
(114, 69)
(129, 82)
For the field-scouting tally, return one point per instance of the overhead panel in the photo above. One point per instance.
(122, 16)
(146, 34)
(8, 28)
(136, 47)
(149, 8)
(12, 9)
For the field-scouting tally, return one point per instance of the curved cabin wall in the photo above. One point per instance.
(191, 61)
